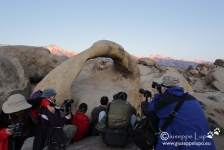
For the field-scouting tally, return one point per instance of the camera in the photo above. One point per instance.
(18, 129)
(67, 103)
(145, 92)
(157, 85)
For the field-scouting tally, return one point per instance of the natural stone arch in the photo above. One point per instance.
(63, 76)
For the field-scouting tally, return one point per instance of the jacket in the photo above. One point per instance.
(190, 122)
(119, 115)
(81, 121)
(3, 139)
(52, 124)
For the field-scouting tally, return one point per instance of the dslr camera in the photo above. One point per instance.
(67, 103)
(146, 93)
(18, 129)
(157, 85)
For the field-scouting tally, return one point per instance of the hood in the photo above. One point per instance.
(176, 90)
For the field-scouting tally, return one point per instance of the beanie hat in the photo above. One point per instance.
(169, 81)
(83, 107)
(48, 92)
(104, 100)
(122, 95)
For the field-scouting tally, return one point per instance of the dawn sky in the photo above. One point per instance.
(190, 29)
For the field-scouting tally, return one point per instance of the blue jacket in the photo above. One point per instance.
(189, 126)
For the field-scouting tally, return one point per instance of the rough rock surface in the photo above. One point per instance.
(123, 75)
(37, 61)
(13, 78)
(219, 62)
(216, 78)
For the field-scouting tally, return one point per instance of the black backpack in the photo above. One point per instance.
(143, 134)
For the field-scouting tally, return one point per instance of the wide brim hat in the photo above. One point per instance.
(169, 81)
(15, 103)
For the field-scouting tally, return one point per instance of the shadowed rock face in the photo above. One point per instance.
(13, 78)
(123, 75)
(219, 62)
(37, 61)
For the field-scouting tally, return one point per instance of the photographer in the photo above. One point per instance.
(53, 123)
(17, 124)
(189, 120)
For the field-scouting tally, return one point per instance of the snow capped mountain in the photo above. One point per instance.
(169, 61)
(60, 52)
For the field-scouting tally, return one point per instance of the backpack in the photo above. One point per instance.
(114, 136)
(35, 109)
(143, 134)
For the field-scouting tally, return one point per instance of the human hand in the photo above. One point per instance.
(9, 131)
(68, 116)
(155, 90)
(51, 109)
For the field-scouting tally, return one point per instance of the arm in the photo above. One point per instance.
(3, 134)
(55, 119)
(145, 108)
(151, 104)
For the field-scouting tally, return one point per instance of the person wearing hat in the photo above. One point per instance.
(17, 124)
(53, 124)
(189, 121)
(81, 121)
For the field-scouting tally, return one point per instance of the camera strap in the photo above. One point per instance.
(173, 113)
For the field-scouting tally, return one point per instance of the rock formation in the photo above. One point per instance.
(37, 61)
(13, 77)
(123, 75)
(216, 78)
(219, 62)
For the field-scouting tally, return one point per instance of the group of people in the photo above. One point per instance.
(19, 119)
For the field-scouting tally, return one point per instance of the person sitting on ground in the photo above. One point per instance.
(81, 121)
(53, 124)
(16, 111)
(189, 122)
(96, 115)
(121, 113)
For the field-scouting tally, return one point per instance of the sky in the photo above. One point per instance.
(182, 29)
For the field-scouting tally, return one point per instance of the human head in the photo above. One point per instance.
(49, 93)
(104, 100)
(168, 82)
(83, 107)
(122, 95)
(15, 103)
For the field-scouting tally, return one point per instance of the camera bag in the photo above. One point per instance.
(114, 136)
(145, 135)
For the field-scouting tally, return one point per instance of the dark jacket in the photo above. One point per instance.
(95, 117)
(190, 121)
(52, 124)
(120, 112)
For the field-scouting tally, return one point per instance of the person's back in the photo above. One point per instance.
(189, 125)
(81, 121)
(121, 114)
(95, 115)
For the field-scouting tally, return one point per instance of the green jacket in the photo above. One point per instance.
(119, 116)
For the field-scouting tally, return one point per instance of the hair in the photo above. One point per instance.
(83, 107)
(122, 95)
(104, 100)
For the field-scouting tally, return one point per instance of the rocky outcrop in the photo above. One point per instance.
(13, 77)
(37, 61)
(216, 78)
(149, 62)
(219, 62)
(123, 75)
